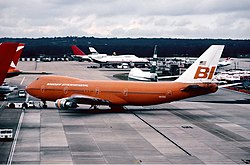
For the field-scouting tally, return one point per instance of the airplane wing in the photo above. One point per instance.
(168, 77)
(98, 61)
(192, 88)
(229, 85)
(71, 102)
(83, 99)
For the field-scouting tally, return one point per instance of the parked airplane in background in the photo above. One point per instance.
(104, 59)
(95, 55)
(7, 53)
(138, 74)
(226, 62)
(93, 51)
(67, 92)
(115, 60)
(232, 75)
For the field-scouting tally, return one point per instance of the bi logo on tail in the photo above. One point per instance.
(204, 72)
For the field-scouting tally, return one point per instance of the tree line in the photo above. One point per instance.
(142, 47)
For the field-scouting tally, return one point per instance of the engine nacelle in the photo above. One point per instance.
(65, 104)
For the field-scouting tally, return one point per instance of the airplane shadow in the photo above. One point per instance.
(91, 111)
(146, 111)
(245, 101)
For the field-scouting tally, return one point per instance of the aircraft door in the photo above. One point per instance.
(42, 88)
(65, 90)
(125, 92)
(169, 93)
(97, 91)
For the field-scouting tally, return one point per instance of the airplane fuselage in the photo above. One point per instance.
(51, 88)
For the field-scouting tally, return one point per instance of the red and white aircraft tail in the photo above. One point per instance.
(7, 53)
(77, 51)
(79, 54)
(19, 51)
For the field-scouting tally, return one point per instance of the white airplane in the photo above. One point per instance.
(232, 75)
(138, 74)
(132, 60)
(226, 62)
(115, 60)
(95, 55)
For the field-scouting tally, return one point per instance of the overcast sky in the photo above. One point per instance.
(126, 18)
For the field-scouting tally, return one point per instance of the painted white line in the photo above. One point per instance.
(27, 98)
(2, 104)
(15, 139)
(22, 81)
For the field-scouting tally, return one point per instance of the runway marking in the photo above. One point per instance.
(22, 81)
(2, 104)
(27, 98)
(161, 133)
(13, 146)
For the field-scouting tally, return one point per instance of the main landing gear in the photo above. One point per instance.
(117, 108)
(94, 107)
(113, 108)
(45, 106)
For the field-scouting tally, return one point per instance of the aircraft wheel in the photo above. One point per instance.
(25, 105)
(12, 105)
(117, 108)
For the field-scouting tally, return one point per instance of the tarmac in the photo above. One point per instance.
(209, 129)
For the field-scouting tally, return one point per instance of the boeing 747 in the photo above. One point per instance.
(68, 92)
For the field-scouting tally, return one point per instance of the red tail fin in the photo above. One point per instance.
(18, 53)
(76, 50)
(7, 52)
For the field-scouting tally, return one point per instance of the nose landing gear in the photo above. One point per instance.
(45, 106)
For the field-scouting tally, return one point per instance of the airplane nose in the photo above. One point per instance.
(28, 89)
(31, 89)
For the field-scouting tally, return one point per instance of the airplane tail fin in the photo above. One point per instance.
(77, 51)
(203, 69)
(7, 53)
(92, 50)
(19, 51)
(154, 63)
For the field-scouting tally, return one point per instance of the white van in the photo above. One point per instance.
(6, 133)
(123, 66)
(21, 93)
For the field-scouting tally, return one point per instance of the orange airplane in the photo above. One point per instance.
(67, 92)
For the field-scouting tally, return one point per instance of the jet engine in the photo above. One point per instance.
(65, 104)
